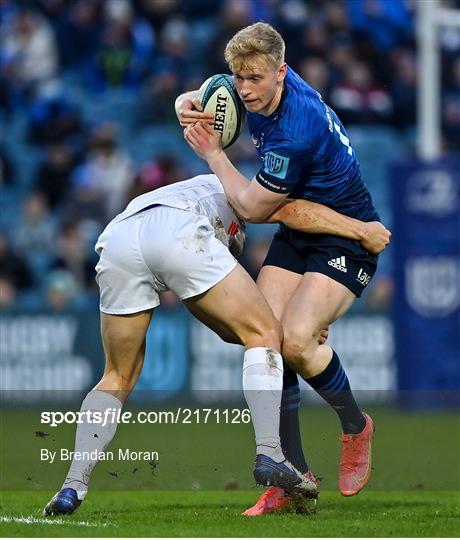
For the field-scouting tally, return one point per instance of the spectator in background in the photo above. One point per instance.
(358, 99)
(234, 15)
(53, 117)
(73, 255)
(125, 48)
(79, 34)
(315, 72)
(314, 40)
(159, 172)
(36, 231)
(61, 291)
(7, 169)
(105, 176)
(291, 18)
(84, 202)
(340, 56)
(35, 235)
(8, 292)
(336, 18)
(403, 88)
(157, 13)
(29, 57)
(13, 266)
(381, 22)
(170, 69)
(54, 173)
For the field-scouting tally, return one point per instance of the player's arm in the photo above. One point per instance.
(251, 201)
(311, 217)
(257, 204)
(189, 110)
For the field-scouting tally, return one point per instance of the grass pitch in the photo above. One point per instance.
(211, 513)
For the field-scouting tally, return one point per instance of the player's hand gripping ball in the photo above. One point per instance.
(219, 97)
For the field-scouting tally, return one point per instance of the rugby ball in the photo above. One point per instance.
(219, 97)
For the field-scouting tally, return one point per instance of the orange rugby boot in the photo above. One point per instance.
(275, 498)
(355, 461)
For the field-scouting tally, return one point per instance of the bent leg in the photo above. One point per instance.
(317, 302)
(277, 285)
(236, 304)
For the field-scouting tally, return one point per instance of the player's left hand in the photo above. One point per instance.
(324, 334)
(376, 237)
(204, 140)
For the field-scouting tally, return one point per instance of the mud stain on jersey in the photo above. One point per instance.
(219, 230)
(199, 242)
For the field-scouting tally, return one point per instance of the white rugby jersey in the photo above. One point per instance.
(202, 195)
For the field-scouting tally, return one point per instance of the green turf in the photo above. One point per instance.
(211, 513)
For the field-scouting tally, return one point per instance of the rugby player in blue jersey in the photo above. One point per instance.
(309, 280)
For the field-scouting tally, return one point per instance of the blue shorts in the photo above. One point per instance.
(341, 259)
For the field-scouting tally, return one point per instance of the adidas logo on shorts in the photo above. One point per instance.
(338, 263)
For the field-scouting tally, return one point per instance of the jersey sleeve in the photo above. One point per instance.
(283, 165)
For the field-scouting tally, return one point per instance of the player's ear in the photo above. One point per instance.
(282, 71)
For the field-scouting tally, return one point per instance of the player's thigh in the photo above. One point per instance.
(277, 286)
(219, 328)
(281, 273)
(236, 303)
(123, 338)
(316, 303)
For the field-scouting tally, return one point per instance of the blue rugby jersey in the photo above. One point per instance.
(306, 152)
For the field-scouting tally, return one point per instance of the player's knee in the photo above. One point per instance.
(298, 351)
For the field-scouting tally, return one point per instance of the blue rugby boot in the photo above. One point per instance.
(268, 472)
(64, 502)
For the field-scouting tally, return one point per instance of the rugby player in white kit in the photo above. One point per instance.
(184, 238)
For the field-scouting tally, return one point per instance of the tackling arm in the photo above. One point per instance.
(310, 217)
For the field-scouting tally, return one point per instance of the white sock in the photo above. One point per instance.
(262, 387)
(91, 437)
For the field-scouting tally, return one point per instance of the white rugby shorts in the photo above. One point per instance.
(158, 249)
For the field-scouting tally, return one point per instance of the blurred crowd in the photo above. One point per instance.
(360, 54)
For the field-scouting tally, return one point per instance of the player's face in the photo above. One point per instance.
(260, 87)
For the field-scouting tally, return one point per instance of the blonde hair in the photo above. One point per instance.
(256, 45)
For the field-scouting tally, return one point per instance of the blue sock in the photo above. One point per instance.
(333, 386)
(291, 442)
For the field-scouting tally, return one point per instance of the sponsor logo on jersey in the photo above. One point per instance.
(338, 263)
(363, 277)
(276, 165)
(270, 185)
